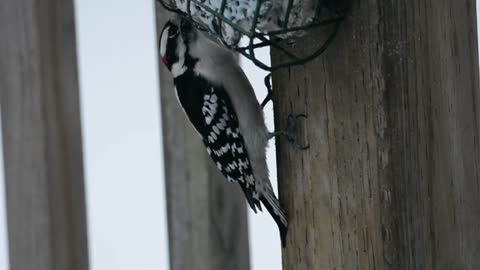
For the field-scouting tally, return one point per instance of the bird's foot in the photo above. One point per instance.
(289, 131)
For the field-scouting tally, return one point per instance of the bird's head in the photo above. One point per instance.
(175, 40)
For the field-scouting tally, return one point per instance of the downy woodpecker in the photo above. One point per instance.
(220, 102)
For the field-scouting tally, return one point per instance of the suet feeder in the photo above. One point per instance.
(264, 23)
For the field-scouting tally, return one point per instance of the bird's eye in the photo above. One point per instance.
(173, 32)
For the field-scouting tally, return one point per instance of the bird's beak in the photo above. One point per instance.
(164, 60)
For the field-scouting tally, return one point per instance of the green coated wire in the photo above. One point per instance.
(223, 18)
(317, 53)
(296, 62)
(249, 50)
(300, 61)
(254, 26)
(287, 14)
(223, 6)
(325, 45)
(251, 34)
(306, 27)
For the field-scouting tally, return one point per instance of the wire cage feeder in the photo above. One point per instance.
(264, 23)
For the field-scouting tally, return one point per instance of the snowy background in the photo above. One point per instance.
(122, 149)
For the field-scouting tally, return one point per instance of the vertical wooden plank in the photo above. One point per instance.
(42, 136)
(207, 218)
(391, 179)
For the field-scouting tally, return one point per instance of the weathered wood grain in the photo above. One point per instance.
(41, 136)
(391, 179)
(207, 216)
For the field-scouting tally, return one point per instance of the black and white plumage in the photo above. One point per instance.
(220, 103)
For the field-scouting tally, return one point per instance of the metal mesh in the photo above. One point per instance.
(328, 14)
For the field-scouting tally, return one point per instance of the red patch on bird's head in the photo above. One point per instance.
(164, 60)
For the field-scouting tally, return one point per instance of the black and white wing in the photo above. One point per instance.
(210, 110)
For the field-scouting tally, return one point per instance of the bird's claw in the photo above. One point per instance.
(289, 131)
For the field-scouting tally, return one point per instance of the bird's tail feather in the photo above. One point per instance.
(254, 203)
(272, 205)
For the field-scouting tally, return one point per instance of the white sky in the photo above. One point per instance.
(122, 142)
(121, 128)
(120, 116)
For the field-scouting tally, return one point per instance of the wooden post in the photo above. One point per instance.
(42, 136)
(207, 216)
(391, 179)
